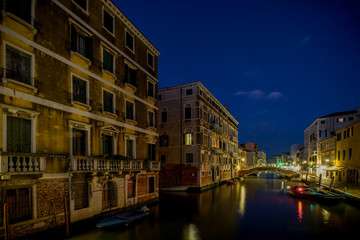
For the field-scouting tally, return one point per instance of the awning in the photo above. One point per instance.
(334, 168)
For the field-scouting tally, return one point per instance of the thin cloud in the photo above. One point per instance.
(305, 40)
(259, 94)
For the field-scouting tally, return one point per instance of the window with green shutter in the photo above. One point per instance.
(108, 61)
(18, 135)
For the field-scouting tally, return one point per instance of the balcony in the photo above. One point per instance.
(89, 164)
(153, 166)
(216, 128)
(216, 150)
(21, 163)
(233, 154)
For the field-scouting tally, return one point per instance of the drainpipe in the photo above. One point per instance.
(181, 134)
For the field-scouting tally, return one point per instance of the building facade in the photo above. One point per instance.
(323, 128)
(347, 154)
(78, 104)
(198, 137)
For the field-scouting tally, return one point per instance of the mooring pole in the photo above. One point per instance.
(331, 183)
(66, 218)
(320, 180)
(6, 221)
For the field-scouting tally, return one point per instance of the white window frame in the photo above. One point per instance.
(5, 79)
(148, 118)
(147, 87)
(114, 102)
(132, 35)
(102, 58)
(147, 59)
(114, 133)
(132, 138)
(84, 10)
(12, 112)
(87, 90)
(134, 110)
(80, 126)
(113, 16)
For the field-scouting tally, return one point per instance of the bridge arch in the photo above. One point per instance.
(286, 172)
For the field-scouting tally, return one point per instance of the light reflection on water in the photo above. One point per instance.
(254, 208)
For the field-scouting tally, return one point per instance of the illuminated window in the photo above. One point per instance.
(188, 138)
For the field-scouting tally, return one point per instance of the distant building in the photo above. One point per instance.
(251, 154)
(198, 137)
(347, 154)
(261, 159)
(323, 128)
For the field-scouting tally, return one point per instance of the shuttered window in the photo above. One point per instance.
(108, 102)
(18, 66)
(108, 61)
(18, 135)
(81, 191)
(81, 43)
(19, 203)
(130, 75)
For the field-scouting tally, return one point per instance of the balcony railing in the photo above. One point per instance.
(153, 166)
(22, 163)
(84, 163)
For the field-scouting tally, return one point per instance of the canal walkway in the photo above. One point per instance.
(351, 191)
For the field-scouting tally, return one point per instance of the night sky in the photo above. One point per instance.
(278, 64)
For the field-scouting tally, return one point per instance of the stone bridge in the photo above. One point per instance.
(289, 173)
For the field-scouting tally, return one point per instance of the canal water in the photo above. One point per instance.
(253, 208)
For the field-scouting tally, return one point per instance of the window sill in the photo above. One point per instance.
(82, 57)
(131, 86)
(25, 85)
(26, 24)
(107, 30)
(110, 113)
(127, 120)
(85, 105)
(104, 71)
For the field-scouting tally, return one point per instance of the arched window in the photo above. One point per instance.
(187, 111)
(108, 193)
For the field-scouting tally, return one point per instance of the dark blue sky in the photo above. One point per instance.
(278, 64)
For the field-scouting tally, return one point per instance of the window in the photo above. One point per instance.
(131, 187)
(187, 112)
(81, 43)
(82, 3)
(151, 184)
(351, 118)
(340, 120)
(189, 158)
(323, 133)
(151, 119)
(163, 158)
(151, 89)
(164, 116)
(164, 140)
(108, 102)
(20, 8)
(18, 66)
(201, 112)
(151, 151)
(18, 137)
(322, 122)
(188, 138)
(108, 61)
(130, 75)
(350, 153)
(130, 148)
(79, 90)
(107, 145)
(344, 134)
(344, 153)
(338, 156)
(150, 60)
(130, 110)
(19, 201)
(108, 195)
(338, 137)
(108, 21)
(129, 40)
(189, 92)
(81, 191)
(79, 142)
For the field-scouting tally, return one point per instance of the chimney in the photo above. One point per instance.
(227, 106)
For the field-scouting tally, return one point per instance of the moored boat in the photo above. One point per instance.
(123, 219)
(230, 182)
